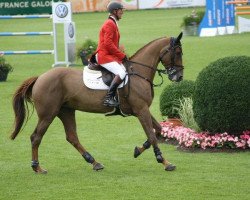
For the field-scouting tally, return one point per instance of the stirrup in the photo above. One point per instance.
(111, 102)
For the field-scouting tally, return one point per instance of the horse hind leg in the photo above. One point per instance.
(36, 139)
(67, 116)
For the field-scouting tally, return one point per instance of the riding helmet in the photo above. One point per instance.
(114, 6)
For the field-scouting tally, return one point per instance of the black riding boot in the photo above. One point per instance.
(109, 99)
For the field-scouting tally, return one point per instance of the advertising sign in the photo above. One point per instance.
(218, 19)
(230, 18)
(208, 25)
(244, 24)
(70, 41)
(62, 12)
(19, 7)
(221, 17)
(99, 5)
(152, 4)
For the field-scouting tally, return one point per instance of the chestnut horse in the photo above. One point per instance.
(60, 92)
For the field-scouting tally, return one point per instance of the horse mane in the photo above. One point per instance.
(138, 51)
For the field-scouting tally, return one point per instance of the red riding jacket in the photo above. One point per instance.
(108, 45)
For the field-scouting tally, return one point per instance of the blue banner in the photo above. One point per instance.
(221, 16)
(209, 22)
(230, 16)
(220, 11)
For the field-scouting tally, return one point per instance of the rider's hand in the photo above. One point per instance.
(122, 48)
(125, 59)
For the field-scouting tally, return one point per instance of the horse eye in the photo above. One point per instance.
(179, 54)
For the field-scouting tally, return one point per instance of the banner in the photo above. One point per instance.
(230, 18)
(19, 7)
(208, 25)
(152, 4)
(244, 24)
(221, 17)
(218, 19)
(99, 5)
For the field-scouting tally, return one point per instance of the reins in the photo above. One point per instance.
(169, 68)
(160, 72)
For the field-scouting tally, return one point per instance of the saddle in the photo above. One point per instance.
(107, 76)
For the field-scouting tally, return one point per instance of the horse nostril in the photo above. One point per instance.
(180, 78)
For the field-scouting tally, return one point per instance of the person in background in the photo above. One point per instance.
(108, 54)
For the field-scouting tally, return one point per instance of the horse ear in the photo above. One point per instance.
(178, 39)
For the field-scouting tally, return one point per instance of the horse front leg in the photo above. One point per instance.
(146, 145)
(146, 121)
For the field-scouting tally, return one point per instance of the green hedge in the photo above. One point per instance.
(171, 95)
(221, 101)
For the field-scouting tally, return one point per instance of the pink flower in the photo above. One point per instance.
(189, 138)
(241, 144)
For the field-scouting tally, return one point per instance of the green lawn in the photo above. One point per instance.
(112, 140)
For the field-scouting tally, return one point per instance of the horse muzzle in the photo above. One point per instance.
(175, 78)
(175, 74)
(180, 78)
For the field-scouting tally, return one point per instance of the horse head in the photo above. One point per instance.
(171, 59)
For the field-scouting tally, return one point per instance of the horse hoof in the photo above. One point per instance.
(41, 171)
(170, 167)
(38, 170)
(98, 166)
(136, 152)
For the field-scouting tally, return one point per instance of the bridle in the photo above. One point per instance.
(170, 69)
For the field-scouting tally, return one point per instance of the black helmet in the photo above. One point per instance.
(114, 6)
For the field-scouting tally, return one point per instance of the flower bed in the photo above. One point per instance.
(188, 138)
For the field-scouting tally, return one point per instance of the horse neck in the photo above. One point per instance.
(149, 55)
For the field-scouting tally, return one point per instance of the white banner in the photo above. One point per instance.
(151, 4)
(244, 24)
(101, 5)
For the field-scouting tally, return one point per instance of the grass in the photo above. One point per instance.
(111, 141)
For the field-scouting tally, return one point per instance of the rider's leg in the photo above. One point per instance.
(109, 99)
(120, 73)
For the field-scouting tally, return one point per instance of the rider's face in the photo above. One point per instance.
(119, 13)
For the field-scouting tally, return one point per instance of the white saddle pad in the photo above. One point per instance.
(93, 80)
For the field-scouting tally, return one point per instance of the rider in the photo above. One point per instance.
(109, 54)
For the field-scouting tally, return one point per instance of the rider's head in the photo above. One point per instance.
(115, 9)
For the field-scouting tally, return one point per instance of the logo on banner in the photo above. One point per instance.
(71, 31)
(61, 10)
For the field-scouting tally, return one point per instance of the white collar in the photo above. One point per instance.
(114, 19)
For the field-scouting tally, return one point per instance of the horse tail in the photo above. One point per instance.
(20, 105)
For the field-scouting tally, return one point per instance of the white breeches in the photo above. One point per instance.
(115, 68)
